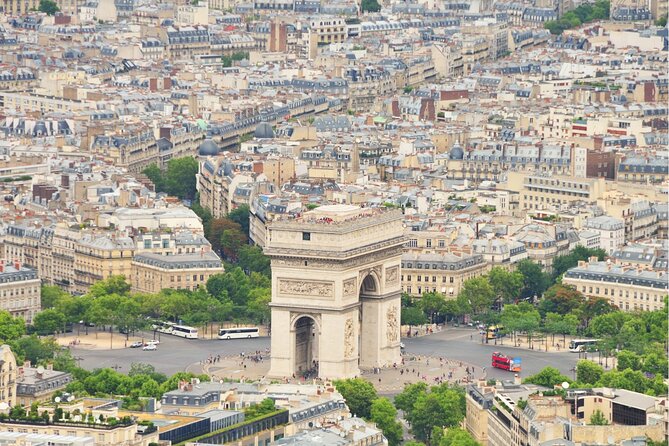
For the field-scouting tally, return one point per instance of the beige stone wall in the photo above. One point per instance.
(617, 432)
(627, 297)
(7, 376)
(21, 298)
(151, 279)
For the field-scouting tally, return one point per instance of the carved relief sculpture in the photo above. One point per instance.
(348, 338)
(392, 275)
(306, 288)
(393, 326)
(350, 287)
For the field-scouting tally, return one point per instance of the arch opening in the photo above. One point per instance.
(306, 347)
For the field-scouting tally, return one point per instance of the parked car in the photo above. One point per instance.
(137, 344)
(150, 347)
(153, 342)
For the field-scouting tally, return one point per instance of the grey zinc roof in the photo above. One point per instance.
(603, 272)
(180, 261)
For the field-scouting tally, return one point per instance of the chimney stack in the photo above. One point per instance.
(17, 264)
(2, 266)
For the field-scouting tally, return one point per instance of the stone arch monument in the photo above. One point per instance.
(335, 290)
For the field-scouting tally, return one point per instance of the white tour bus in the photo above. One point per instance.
(184, 331)
(581, 345)
(238, 333)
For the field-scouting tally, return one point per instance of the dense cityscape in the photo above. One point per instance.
(334, 222)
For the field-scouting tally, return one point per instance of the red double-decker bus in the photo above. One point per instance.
(501, 361)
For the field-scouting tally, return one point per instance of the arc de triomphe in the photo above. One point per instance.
(335, 290)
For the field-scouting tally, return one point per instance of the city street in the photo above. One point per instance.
(176, 354)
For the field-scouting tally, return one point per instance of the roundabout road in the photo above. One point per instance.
(455, 343)
(177, 354)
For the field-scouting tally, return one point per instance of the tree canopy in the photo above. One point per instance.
(359, 395)
(370, 6)
(49, 7)
(179, 179)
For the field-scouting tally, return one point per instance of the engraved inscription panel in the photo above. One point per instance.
(306, 288)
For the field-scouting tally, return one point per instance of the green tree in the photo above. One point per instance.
(217, 228)
(568, 326)
(548, 377)
(432, 303)
(51, 296)
(49, 322)
(628, 360)
(441, 407)
(258, 304)
(233, 285)
(156, 176)
(598, 419)
(405, 401)
(251, 258)
(112, 285)
(520, 318)
(535, 281)
(49, 7)
(231, 242)
(413, 316)
(241, 216)
(180, 177)
(561, 299)
(359, 395)
(11, 328)
(587, 372)
(655, 364)
(552, 325)
(506, 284)
(562, 263)
(36, 350)
(476, 295)
(593, 307)
(384, 414)
(262, 408)
(456, 436)
(370, 6)
(662, 21)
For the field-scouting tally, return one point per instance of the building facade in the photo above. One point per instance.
(20, 290)
(442, 273)
(630, 289)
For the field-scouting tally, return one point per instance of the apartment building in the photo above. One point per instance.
(539, 192)
(279, 170)
(217, 181)
(134, 148)
(518, 414)
(187, 42)
(20, 290)
(611, 232)
(152, 272)
(35, 102)
(629, 288)
(491, 162)
(39, 384)
(443, 273)
(8, 371)
(326, 30)
(76, 259)
(643, 170)
(104, 435)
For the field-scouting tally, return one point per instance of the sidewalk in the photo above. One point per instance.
(432, 370)
(98, 340)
